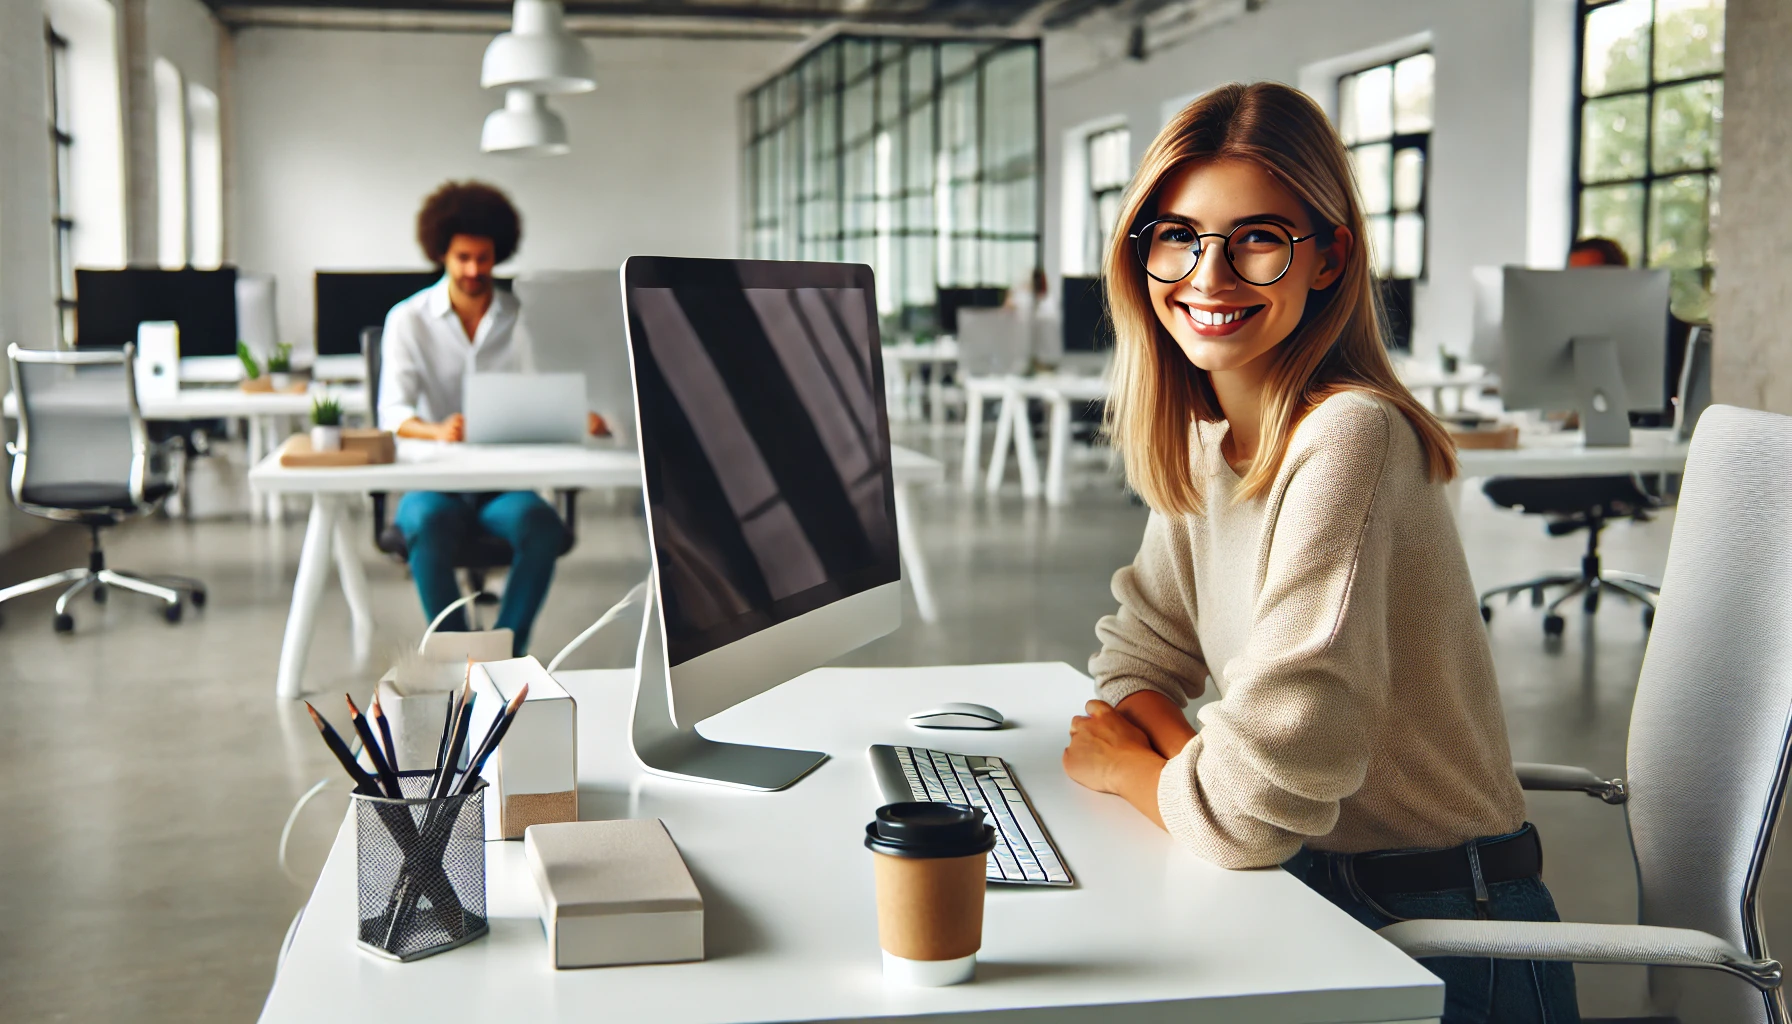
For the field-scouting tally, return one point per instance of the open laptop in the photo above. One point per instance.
(524, 408)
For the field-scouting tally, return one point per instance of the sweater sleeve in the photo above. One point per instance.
(1292, 737)
(1150, 643)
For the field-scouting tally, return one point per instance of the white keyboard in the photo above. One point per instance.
(1024, 853)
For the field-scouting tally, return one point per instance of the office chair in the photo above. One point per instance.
(480, 553)
(1709, 750)
(84, 456)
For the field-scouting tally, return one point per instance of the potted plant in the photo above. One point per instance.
(326, 424)
(251, 369)
(280, 367)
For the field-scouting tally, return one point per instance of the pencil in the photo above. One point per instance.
(493, 737)
(379, 716)
(388, 780)
(340, 749)
(456, 741)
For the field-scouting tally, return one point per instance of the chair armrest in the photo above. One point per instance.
(1569, 779)
(1582, 944)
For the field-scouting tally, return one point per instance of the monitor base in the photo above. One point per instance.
(664, 749)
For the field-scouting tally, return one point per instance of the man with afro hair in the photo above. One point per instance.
(463, 324)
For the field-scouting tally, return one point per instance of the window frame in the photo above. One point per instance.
(1583, 10)
(1098, 231)
(62, 221)
(1397, 141)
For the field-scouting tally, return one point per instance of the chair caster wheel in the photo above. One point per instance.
(172, 612)
(1486, 614)
(99, 593)
(1648, 618)
(1553, 625)
(65, 623)
(198, 599)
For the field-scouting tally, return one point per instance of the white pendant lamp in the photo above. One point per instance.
(524, 127)
(537, 53)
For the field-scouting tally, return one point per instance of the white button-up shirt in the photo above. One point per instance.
(425, 353)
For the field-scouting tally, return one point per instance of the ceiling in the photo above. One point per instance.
(777, 18)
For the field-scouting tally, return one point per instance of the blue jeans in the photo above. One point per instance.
(436, 524)
(1476, 991)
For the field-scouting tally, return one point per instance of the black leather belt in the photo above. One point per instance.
(1508, 859)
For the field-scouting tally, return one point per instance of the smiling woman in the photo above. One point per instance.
(1301, 554)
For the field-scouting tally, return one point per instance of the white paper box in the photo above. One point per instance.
(415, 692)
(613, 893)
(158, 361)
(534, 775)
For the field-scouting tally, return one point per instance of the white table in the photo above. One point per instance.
(430, 466)
(1651, 450)
(1058, 391)
(1434, 381)
(902, 359)
(1150, 933)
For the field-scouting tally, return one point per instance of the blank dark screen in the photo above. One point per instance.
(766, 455)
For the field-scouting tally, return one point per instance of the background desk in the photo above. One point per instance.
(429, 466)
(1150, 933)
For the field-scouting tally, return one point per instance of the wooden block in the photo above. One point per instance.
(379, 445)
(297, 453)
(1502, 437)
(264, 385)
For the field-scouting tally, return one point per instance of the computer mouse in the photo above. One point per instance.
(957, 716)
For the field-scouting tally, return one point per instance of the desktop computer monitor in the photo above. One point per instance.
(950, 300)
(1593, 339)
(109, 304)
(1085, 309)
(771, 518)
(349, 301)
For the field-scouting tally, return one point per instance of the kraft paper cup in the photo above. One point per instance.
(929, 863)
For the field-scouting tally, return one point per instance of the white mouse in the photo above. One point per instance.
(957, 716)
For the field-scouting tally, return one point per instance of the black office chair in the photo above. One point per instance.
(83, 456)
(481, 552)
(1570, 504)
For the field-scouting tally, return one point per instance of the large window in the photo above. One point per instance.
(919, 157)
(171, 166)
(1384, 115)
(205, 177)
(62, 144)
(1651, 114)
(1110, 168)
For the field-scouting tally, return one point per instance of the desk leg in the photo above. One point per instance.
(277, 429)
(1058, 452)
(998, 455)
(307, 591)
(936, 396)
(973, 437)
(354, 585)
(913, 561)
(256, 447)
(1024, 452)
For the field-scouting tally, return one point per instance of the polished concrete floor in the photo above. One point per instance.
(146, 769)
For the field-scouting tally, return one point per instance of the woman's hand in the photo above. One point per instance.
(1109, 754)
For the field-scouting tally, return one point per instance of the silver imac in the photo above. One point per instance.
(1592, 339)
(771, 518)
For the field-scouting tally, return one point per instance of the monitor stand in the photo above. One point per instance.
(1604, 403)
(665, 749)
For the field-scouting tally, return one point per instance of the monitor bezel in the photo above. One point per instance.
(713, 645)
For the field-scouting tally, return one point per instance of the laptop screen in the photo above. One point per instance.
(764, 442)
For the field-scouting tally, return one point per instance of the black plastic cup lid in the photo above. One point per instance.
(927, 830)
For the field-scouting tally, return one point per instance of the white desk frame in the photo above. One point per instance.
(1149, 934)
(1013, 430)
(428, 466)
(901, 360)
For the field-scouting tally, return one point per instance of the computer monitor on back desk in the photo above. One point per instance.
(771, 517)
(1591, 339)
(109, 305)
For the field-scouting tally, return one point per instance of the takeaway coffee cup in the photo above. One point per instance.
(929, 861)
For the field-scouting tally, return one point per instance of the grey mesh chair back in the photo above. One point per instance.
(1709, 741)
(574, 323)
(994, 342)
(81, 438)
(1695, 382)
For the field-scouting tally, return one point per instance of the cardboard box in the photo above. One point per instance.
(534, 774)
(614, 893)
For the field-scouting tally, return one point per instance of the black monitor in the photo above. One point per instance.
(951, 300)
(109, 304)
(1085, 314)
(1396, 302)
(348, 301)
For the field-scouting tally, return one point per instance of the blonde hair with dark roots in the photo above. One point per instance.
(1157, 394)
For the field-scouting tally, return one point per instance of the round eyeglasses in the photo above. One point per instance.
(1260, 252)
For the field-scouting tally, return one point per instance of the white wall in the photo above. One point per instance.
(338, 136)
(1481, 179)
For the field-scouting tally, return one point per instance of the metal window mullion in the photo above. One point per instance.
(1649, 139)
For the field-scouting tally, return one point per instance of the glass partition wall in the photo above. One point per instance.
(919, 157)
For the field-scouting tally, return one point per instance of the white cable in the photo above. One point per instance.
(286, 830)
(437, 621)
(603, 620)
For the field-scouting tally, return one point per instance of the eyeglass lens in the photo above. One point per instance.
(1259, 253)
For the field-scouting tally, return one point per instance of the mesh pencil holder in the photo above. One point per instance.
(419, 869)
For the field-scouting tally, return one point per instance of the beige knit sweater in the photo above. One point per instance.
(1335, 613)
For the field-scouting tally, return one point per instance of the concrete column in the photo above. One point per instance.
(1753, 336)
(137, 81)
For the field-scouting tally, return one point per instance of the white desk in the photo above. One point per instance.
(1430, 379)
(1651, 450)
(901, 360)
(429, 466)
(1013, 429)
(1150, 933)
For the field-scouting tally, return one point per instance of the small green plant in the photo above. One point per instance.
(281, 360)
(250, 366)
(326, 412)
